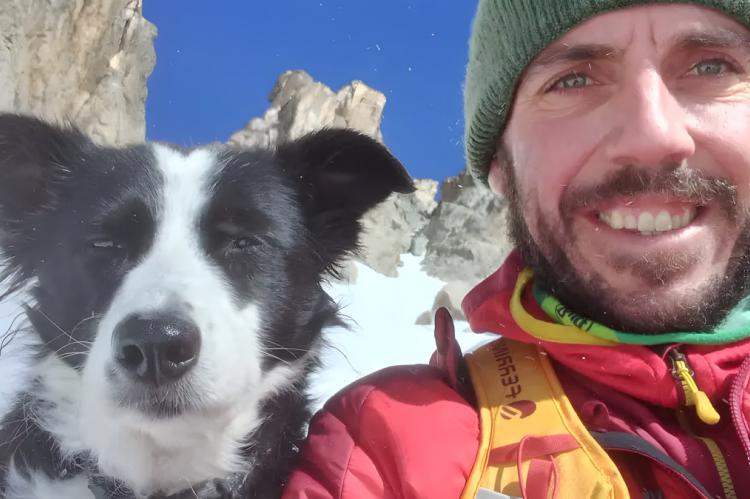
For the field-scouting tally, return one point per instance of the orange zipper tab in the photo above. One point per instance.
(693, 395)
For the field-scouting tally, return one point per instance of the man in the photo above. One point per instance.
(620, 133)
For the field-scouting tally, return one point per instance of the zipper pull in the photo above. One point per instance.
(693, 395)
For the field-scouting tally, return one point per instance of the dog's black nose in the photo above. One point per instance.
(156, 348)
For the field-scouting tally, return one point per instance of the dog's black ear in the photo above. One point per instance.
(341, 169)
(340, 174)
(34, 156)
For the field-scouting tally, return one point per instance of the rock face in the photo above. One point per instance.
(300, 105)
(389, 229)
(466, 238)
(80, 61)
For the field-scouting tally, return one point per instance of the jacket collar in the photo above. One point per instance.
(639, 371)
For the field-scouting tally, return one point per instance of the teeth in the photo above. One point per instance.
(687, 217)
(663, 222)
(615, 220)
(645, 222)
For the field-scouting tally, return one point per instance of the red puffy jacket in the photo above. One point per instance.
(412, 431)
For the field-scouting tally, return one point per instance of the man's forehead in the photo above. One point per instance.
(667, 27)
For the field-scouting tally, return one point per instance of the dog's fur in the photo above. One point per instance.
(235, 241)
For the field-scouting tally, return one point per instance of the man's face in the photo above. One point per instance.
(627, 161)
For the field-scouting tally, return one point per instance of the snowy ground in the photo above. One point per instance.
(381, 311)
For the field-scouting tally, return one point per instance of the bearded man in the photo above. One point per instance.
(619, 131)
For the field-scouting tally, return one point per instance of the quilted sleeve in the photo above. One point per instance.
(400, 433)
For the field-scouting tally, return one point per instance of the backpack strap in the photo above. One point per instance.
(532, 443)
(632, 444)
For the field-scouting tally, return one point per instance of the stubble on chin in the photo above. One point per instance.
(654, 309)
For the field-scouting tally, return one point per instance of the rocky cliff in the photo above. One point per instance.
(300, 105)
(79, 61)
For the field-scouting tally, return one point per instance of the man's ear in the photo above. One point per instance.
(340, 174)
(34, 157)
(498, 175)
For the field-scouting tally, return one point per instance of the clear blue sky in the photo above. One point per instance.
(216, 63)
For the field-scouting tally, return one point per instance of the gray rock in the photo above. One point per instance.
(450, 297)
(466, 238)
(300, 105)
(424, 319)
(78, 61)
(389, 228)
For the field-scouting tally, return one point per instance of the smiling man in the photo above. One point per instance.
(620, 134)
(627, 160)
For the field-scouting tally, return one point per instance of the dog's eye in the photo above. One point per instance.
(106, 244)
(245, 243)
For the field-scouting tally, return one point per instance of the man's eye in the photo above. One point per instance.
(571, 81)
(711, 67)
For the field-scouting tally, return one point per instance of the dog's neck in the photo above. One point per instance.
(268, 453)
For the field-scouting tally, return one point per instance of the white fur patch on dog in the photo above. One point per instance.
(39, 486)
(15, 347)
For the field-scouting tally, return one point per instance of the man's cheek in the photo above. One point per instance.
(543, 224)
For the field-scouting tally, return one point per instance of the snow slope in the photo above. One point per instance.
(382, 331)
(381, 312)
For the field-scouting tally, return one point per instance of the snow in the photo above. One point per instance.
(382, 331)
(381, 312)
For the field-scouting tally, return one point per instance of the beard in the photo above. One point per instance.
(588, 294)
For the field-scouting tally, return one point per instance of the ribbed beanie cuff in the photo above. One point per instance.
(506, 36)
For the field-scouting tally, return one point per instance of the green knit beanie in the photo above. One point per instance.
(506, 36)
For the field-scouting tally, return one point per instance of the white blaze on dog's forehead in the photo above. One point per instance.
(169, 273)
(186, 185)
(185, 192)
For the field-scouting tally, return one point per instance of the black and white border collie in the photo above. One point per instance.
(175, 298)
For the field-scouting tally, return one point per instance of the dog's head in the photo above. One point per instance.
(182, 284)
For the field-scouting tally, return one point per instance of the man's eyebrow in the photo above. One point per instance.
(714, 37)
(560, 53)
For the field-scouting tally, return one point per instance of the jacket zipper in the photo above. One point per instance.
(692, 395)
(735, 404)
(720, 462)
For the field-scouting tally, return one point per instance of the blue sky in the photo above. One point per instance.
(216, 66)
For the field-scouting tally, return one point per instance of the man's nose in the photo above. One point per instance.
(649, 127)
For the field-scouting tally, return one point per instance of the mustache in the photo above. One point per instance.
(676, 180)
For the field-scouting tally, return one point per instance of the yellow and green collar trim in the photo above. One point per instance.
(569, 327)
